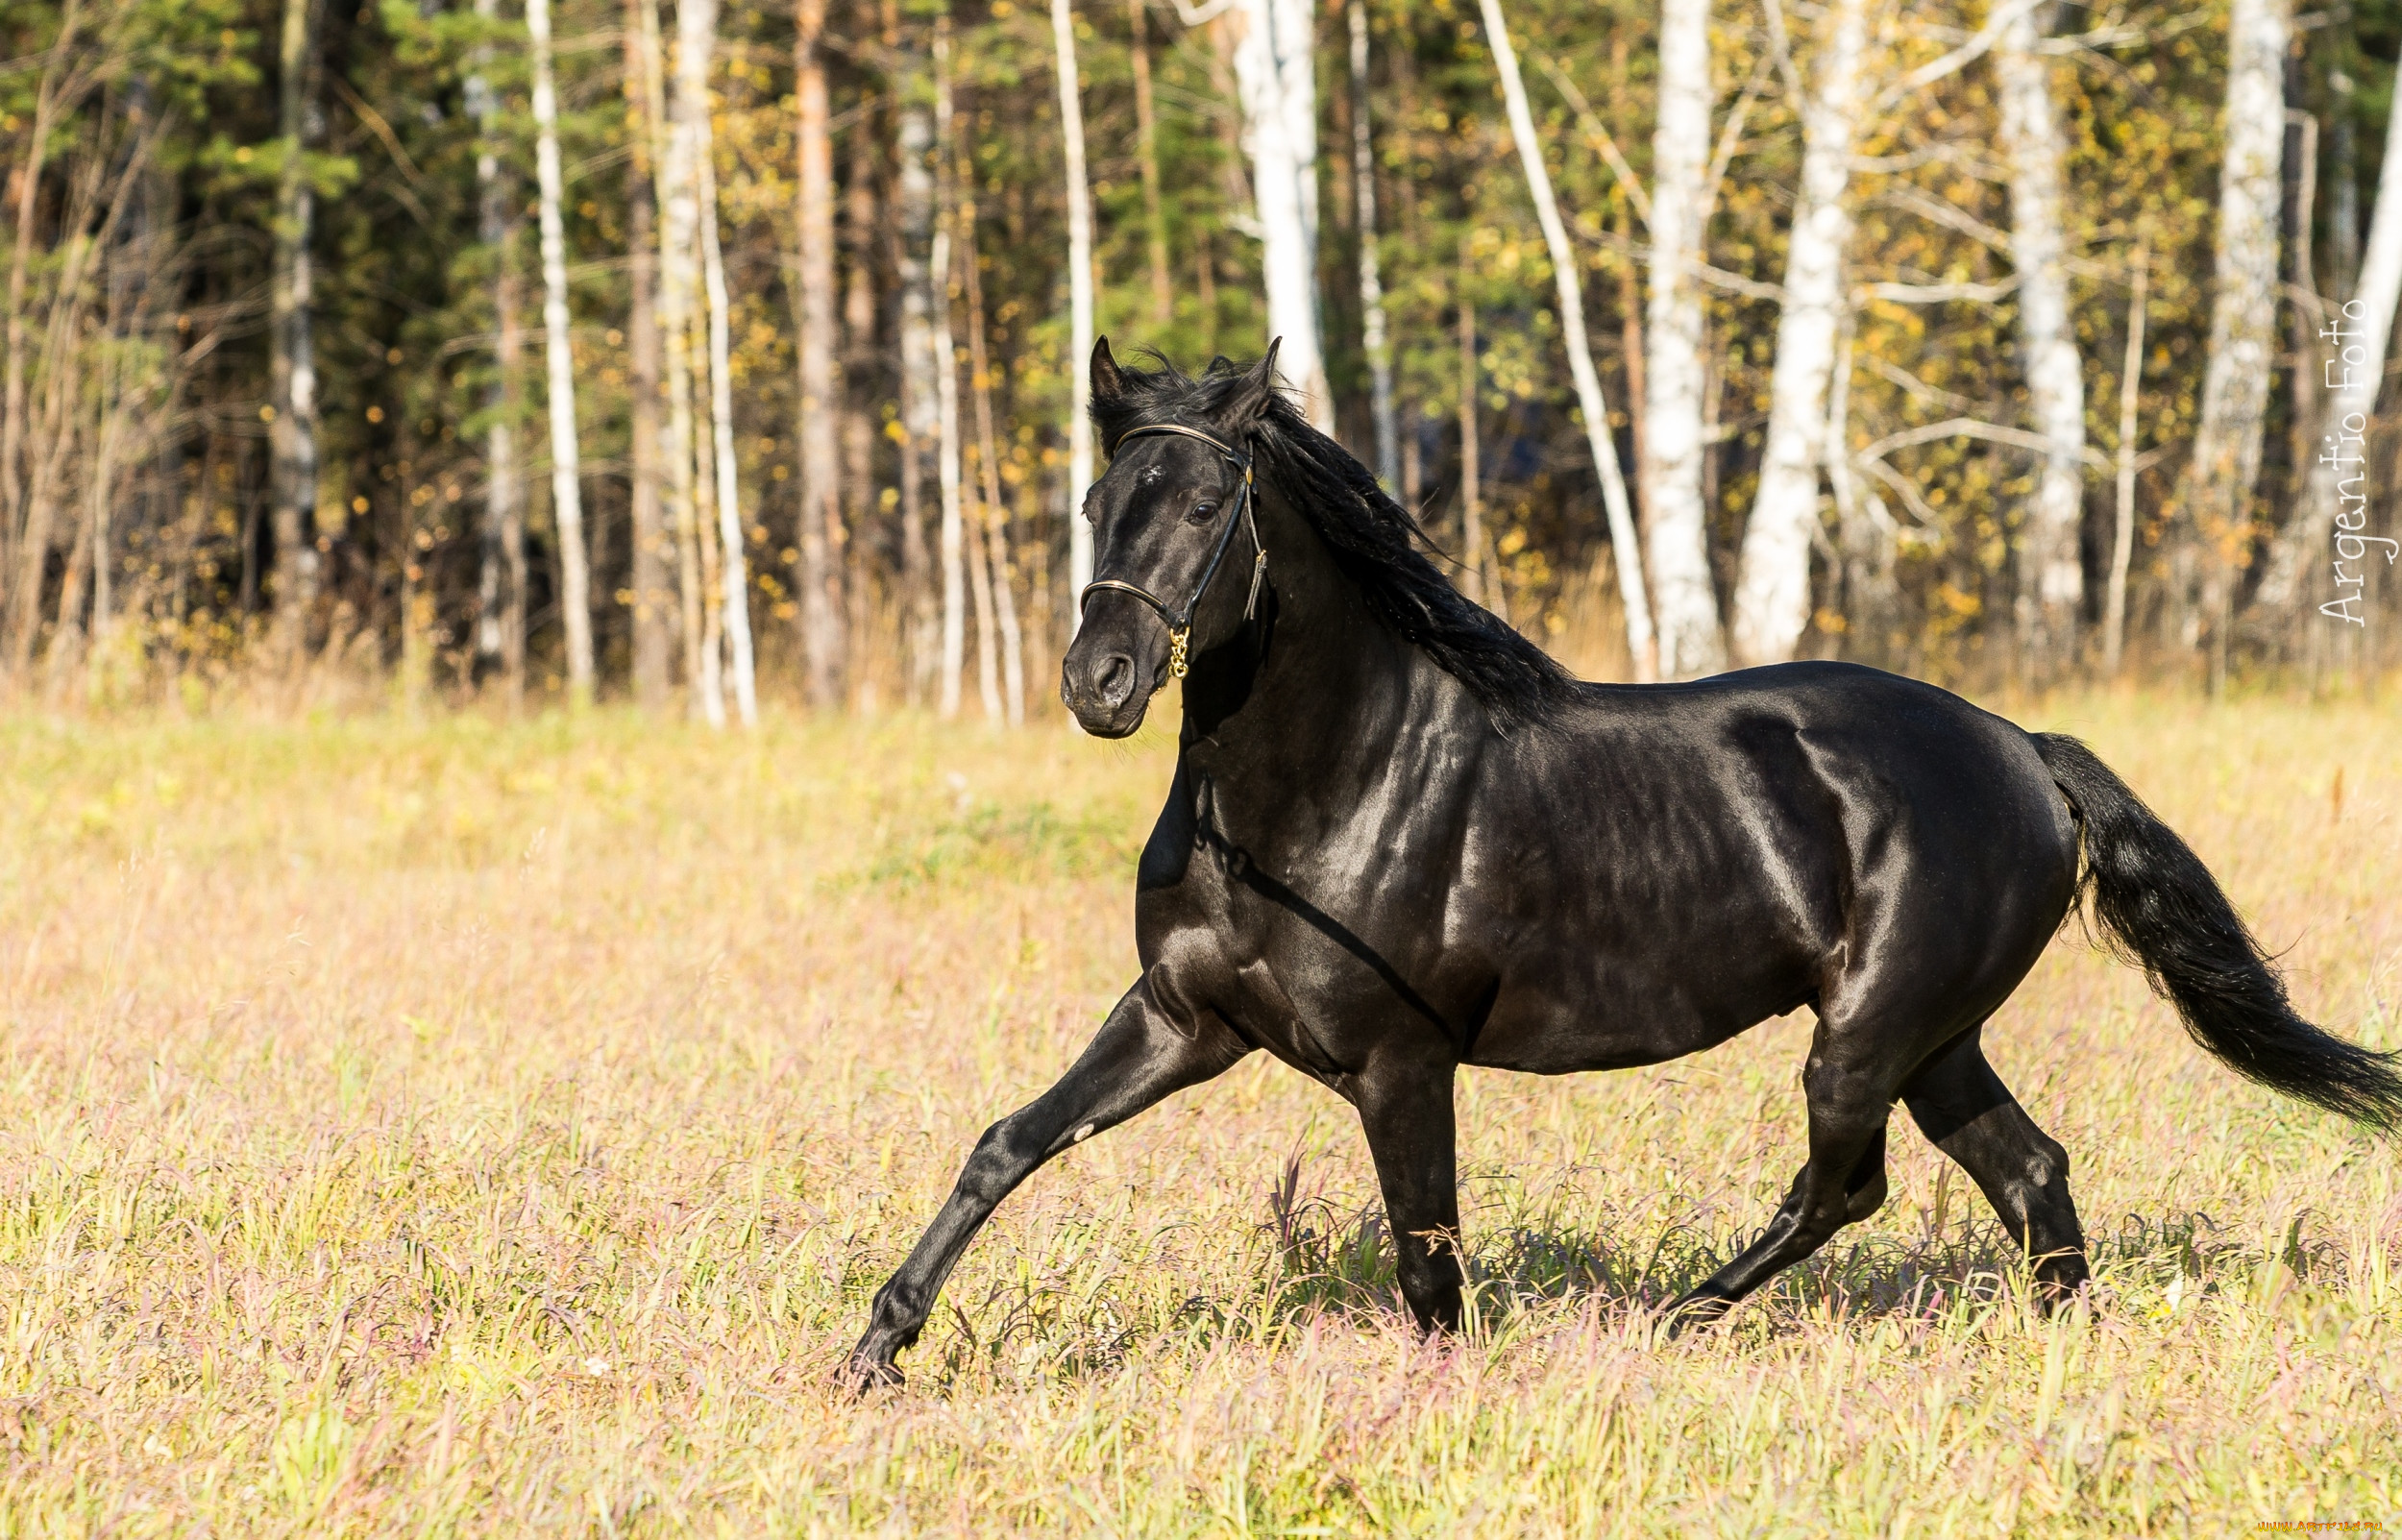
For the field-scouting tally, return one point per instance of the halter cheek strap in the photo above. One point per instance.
(1179, 623)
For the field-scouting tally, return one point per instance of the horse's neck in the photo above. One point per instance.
(1325, 702)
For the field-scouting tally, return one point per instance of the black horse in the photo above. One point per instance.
(1400, 839)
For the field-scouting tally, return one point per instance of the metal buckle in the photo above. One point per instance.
(1179, 624)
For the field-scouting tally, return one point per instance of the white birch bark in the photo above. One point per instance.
(567, 505)
(2243, 310)
(2122, 535)
(733, 562)
(1080, 327)
(1640, 642)
(1772, 585)
(2356, 339)
(681, 217)
(1374, 338)
(1684, 605)
(953, 546)
(2052, 580)
(821, 534)
(1275, 75)
(502, 513)
(920, 413)
(292, 434)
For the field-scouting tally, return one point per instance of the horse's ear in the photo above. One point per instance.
(1259, 386)
(1107, 383)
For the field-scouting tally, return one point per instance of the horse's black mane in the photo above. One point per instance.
(1374, 539)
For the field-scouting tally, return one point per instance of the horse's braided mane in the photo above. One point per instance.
(1374, 539)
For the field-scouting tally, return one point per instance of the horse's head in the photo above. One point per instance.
(1176, 552)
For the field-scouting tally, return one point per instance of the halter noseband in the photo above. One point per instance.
(1180, 622)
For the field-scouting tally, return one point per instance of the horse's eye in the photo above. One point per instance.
(1204, 510)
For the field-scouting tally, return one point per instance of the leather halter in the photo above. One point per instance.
(1179, 623)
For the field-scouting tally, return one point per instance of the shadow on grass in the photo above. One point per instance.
(1318, 1261)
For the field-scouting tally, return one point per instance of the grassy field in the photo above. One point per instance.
(461, 1128)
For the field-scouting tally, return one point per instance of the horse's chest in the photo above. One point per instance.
(1316, 961)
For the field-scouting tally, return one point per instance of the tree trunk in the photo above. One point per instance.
(1080, 323)
(1275, 72)
(1869, 590)
(292, 434)
(953, 543)
(1148, 152)
(1641, 645)
(2227, 435)
(28, 178)
(1772, 588)
(920, 412)
(2123, 536)
(988, 467)
(1684, 605)
(2321, 556)
(859, 432)
(500, 608)
(2051, 576)
(567, 501)
(695, 26)
(652, 551)
(820, 483)
(1471, 472)
(1374, 340)
(679, 202)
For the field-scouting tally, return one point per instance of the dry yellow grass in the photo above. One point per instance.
(450, 1128)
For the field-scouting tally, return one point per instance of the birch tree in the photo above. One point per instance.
(1685, 606)
(696, 25)
(2052, 579)
(1640, 642)
(2227, 435)
(566, 503)
(1276, 77)
(292, 432)
(995, 512)
(821, 531)
(1773, 586)
(2324, 534)
(499, 581)
(1080, 324)
(650, 598)
(680, 206)
(1372, 323)
(953, 543)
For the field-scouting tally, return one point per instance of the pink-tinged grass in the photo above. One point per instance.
(454, 1128)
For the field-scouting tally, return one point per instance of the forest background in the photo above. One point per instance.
(473, 347)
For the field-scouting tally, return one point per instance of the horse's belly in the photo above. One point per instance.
(1543, 1029)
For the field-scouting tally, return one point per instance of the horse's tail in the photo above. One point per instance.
(2160, 910)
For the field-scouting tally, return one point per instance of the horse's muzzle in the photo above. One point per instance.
(1110, 672)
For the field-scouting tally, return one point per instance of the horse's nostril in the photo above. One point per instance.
(1114, 679)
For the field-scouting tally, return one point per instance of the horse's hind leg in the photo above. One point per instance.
(1971, 1115)
(1843, 1183)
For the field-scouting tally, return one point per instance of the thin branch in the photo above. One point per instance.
(1966, 428)
(1941, 293)
(1780, 48)
(1959, 58)
(1943, 211)
(1908, 489)
(1608, 147)
(1731, 138)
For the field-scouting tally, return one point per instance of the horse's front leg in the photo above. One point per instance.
(1404, 1109)
(1140, 1057)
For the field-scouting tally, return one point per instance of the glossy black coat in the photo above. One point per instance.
(1360, 873)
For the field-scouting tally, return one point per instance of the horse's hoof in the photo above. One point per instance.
(1695, 1312)
(861, 1374)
